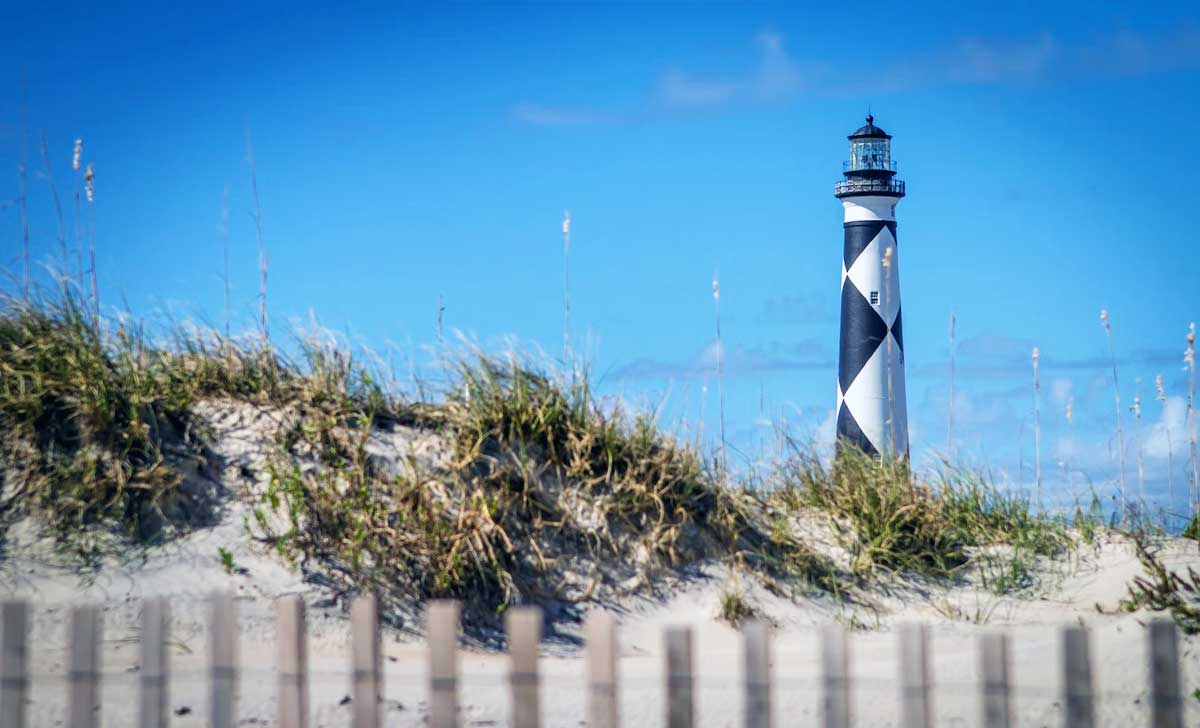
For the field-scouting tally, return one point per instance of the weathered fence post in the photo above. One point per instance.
(757, 647)
(524, 627)
(1166, 697)
(680, 705)
(441, 626)
(14, 663)
(602, 670)
(293, 662)
(835, 677)
(222, 659)
(366, 662)
(1077, 678)
(83, 674)
(154, 670)
(993, 672)
(915, 704)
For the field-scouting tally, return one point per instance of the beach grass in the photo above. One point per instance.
(895, 521)
(546, 492)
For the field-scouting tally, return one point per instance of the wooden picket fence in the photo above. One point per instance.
(524, 627)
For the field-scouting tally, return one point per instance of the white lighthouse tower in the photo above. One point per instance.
(871, 409)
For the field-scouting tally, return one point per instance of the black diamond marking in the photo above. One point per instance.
(898, 330)
(858, 236)
(863, 330)
(850, 433)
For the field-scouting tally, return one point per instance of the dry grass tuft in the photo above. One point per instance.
(736, 607)
(547, 497)
(892, 521)
(86, 426)
(1164, 590)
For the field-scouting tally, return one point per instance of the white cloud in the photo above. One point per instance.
(539, 115)
(1171, 429)
(983, 409)
(738, 360)
(1095, 455)
(976, 59)
(826, 432)
(1062, 389)
(679, 90)
(777, 76)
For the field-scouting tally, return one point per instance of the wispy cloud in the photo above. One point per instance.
(975, 409)
(980, 60)
(775, 76)
(798, 308)
(679, 90)
(998, 355)
(974, 60)
(805, 354)
(995, 348)
(1170, 431)
(778, 75)
(539, 115)
(1130, 53)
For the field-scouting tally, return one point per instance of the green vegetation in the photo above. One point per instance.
(1192, 530)
(539, 491)
(226, 557)
(890, 520)
(546, 495)
(95, 428)
(85, 424)
(543, 485)
(736, 607)
(1164, 590)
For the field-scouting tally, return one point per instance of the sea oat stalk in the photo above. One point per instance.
(1189, 357)
(1117, 395)
(263, 265)
(566, 233)
(441, 318)
(1160, 395)
(62, 234)
(75, 158)
(1037, 429)
(1070, 415)
(441, 336)
(89, 188)
(1136, 409)
(22, 192)
(225, 252)
(716, 292)
(950, 409)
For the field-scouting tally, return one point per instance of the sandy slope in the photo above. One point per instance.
(188, 570)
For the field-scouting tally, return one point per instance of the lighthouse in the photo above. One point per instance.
(871, 410)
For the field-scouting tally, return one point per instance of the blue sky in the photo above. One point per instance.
(410, 152)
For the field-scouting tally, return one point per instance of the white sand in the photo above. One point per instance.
(188, 570)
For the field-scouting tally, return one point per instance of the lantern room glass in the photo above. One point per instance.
(870, 154)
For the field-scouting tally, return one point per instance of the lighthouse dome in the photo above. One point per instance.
(870, 131)
(870, 169)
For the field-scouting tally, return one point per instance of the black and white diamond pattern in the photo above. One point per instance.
(863, 416)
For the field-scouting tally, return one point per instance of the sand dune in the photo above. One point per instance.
(187, 570)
